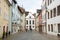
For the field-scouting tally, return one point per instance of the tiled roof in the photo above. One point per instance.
(14, 1)
(21, 9)
(26, 13)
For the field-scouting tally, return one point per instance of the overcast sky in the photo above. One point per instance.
(30, 5)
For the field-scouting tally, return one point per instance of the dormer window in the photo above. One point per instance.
(30, 17)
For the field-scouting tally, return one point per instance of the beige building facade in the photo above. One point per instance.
(4, 16)
(23, 22)
(37, 23)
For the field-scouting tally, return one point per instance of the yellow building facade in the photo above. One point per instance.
(4, 16)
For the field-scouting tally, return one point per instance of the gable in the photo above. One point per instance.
(30, 16)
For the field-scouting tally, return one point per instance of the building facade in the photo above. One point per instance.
(53, 15)
(39, 20)
(30, 22)
(15, 17)
(23, 22)
(44, 27)
(22, 18)
(4, 17)
(37, 23)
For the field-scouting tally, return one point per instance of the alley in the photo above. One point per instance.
(31, 36)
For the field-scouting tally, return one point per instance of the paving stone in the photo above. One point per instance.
(31, 36)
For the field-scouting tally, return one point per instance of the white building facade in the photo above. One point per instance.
(44, 27)
(30, 22)
(53, 17)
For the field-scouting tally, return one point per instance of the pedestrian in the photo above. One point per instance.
(9, 32)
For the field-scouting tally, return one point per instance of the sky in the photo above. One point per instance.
(30, 5)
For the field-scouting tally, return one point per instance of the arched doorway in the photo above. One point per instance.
(3, 32)
(7, 29)
(3, 28)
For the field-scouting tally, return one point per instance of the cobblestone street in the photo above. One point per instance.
(31, 36)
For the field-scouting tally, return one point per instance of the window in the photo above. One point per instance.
(48, 15)
(13, 14)
(48, 27)
(58, 10)
(30, 21)
(43, 0)
(3, 28)
(33, 21)
(6, 17)
(58, 28)
(33, 26)
(27, 26)
(12, 22)
(0, 1)
(53, 0)
(26, 21)
(48, 2)
(51, 27)
(54, 12)
(30, 17)
(51, 13)
(0, 10)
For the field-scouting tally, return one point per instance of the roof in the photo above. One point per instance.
(30, 15)
(39, 11)
(26, 13)
(14, 1)
(22, 10)
(34, 15)
(8, 2)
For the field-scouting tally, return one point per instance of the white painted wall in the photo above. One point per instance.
(32, 18)
(54, 20)
(43, 16)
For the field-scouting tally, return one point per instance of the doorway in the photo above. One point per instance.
(3, 28)
(7, 29)
(30, 28)
(40, 28)
(3, 32)
(58, 28)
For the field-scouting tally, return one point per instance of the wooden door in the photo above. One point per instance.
(40, 28)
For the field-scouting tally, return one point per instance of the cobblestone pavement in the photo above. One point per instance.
(31, 36)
